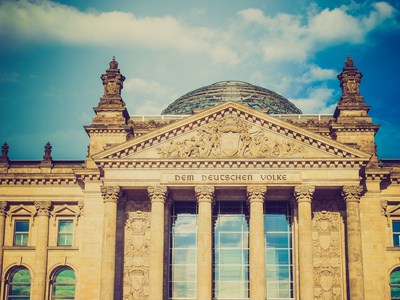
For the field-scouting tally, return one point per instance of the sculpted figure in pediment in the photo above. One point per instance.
(231, 137)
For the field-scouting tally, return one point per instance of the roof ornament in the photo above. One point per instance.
(350, 80)
(349, 62)
(4, 154)
(47, 153)
(113, 64)
(113, 83)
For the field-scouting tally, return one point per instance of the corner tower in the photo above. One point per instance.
(353, 126)
(110, 126)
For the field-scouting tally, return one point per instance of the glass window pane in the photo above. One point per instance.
(396, 226)
(277, 240)
(21, 276)
(276, 223)
(22, 226)
(65, 276)
(184, 256)
(184, 240)
(66, 226)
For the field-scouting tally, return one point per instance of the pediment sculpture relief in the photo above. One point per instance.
(231, 137)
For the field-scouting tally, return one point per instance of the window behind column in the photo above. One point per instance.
(21, 233)
(19, 284)
(395, 285)
(231, 250)
(183, 250)
(278, 250)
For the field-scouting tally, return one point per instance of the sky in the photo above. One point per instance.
(54, 52)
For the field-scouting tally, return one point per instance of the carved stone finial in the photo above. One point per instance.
(113, 83)
(157, 193)
(111, 193)
(304, 193)
(350, 80)
(113, 64)
(4, 154)
(205, 193)
(349, 62)
(43, 207)
(47, 152)
(256, 193)
(352, 193)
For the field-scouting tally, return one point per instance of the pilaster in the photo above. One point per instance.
(42, 227)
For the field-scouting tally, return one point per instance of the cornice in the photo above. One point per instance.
(232, 163)
(37, 179)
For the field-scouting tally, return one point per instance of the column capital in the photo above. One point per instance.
(352, 193)
(157, 193)
(3, 206)
(205, 193)
(304, 193)
(43, 207)
(111, 193)
(256, 193)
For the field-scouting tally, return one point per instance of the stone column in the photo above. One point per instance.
(111, 195)
(3, 206)
(351, 195)
(304, 195)
(42, 235)
(157, 195)
(255, 198)
(205, 198)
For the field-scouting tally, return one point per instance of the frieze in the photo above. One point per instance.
(230, 178)
(231, 137)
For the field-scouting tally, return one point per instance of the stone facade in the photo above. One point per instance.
(108, 219)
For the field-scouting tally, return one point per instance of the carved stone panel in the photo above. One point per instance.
(231, 137)
(327, 241)
(137, 250)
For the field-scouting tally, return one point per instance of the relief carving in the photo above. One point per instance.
(327, 255)
(231, 137)
(137, 250)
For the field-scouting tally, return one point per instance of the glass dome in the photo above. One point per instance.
(242, 92)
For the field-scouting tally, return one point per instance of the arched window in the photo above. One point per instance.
(63, 284)
(19, 284)
(395, 285)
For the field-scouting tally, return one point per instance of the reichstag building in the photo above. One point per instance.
(230, 193)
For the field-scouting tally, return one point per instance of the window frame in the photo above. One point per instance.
(21, 233)
(10, 284)
(65, 220)
(54, 284)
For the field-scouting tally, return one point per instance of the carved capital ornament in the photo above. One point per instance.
(304, 193)
(111, 193)
(157, 193)
(204, 193)
(352, 193)
(43, 207)
(256, 193)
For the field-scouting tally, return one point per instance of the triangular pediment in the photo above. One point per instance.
(65, 210)
(21, 210)
(233, 131)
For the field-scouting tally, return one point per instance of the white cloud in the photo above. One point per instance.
(320, 101)
(46, 21)
(296, 38)
(316, 73)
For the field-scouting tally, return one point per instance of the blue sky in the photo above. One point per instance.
(54, 52)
